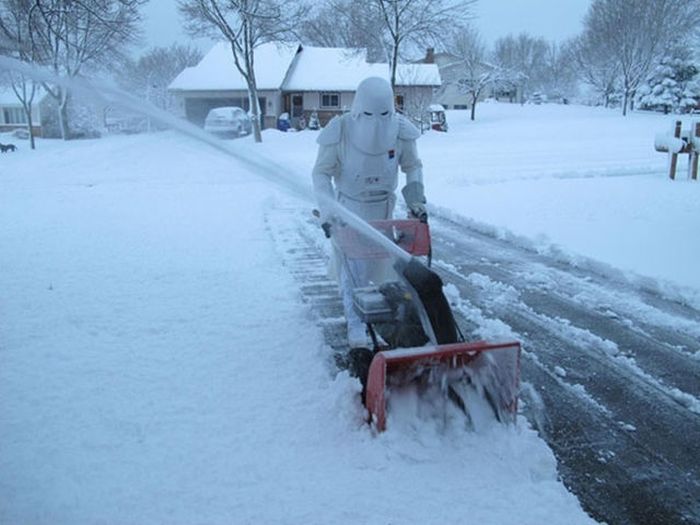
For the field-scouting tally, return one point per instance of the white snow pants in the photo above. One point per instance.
(354, 273)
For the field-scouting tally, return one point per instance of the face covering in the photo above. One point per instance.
(373, 126)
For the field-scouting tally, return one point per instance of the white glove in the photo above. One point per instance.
(415, 200)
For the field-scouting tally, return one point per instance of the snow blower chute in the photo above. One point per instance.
(414, 331)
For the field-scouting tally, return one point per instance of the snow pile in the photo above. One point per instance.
(157, 364)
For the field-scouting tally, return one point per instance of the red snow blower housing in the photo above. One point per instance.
(416, 338)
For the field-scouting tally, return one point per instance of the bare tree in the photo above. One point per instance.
(15, 33)
(70, 36)
(559, 75)
(347, 24)
(523, 57)
(417, 108)
(635, 33)
(415, 95)
(470, 70)
(418, 22)
(26, 91)
(152, 73)
(246, 24)
(595, 67)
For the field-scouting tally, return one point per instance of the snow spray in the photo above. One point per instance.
(105, 92)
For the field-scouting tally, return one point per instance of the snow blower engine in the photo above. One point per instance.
(414, 332)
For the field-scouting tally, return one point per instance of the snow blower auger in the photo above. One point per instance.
(416, 338)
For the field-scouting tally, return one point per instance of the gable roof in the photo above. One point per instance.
(341, 69)
(418, 75)
(298, 68)
(217, 70)
(327, 69)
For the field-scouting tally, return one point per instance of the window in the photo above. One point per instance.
(330, 100)
(14, 116)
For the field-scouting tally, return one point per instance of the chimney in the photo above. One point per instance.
(429, 56)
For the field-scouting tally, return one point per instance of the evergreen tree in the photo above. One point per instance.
(673, 84)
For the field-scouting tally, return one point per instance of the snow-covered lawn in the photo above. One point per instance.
(158, 366)
(583, 181)
(586, 180)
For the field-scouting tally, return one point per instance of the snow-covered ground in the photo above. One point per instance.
(580, 181)
(158, 366)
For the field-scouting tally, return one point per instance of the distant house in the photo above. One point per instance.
(297, 80)
(450, 96)
(12, 114)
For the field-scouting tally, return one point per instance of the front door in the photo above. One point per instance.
(297, 105)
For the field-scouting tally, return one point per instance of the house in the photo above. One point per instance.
(323, 79)
(12, 114)
(216, 82)
(295, 79)
(450, 96)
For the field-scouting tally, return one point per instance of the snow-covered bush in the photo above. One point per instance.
(84, 121)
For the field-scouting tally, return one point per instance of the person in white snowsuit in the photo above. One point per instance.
(357, 165)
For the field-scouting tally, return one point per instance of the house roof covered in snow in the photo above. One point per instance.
(217, 70)
(418, 75)
(341, 69)
(326, 69)
(298, 68)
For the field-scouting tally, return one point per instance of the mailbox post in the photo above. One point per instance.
(695, 153)
(682, 141)
(674, 156)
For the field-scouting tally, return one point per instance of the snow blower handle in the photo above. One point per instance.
(326, 225)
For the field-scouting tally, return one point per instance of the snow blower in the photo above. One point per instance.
(415, 335)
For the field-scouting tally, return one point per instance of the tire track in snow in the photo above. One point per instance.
(663, 337)
(625, 445)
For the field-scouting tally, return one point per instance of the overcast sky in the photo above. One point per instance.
(551, 19)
